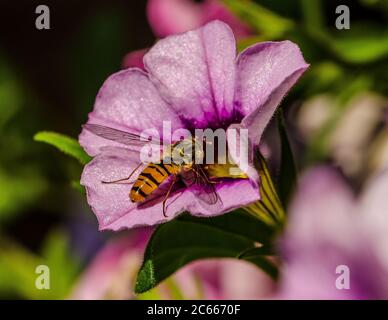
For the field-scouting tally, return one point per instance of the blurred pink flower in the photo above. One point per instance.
(113, 269)
(112, 275)
(134, 59)
(228, 279)
(194, 80)
(168, 17)
(329, 228)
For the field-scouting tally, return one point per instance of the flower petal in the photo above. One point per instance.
(318, 226)
(265, 73)
(134, 59)
(225, 279)
(325, 235)
(195, 73)
(233, 194)
(374, 200)
(115, 211)
(320, 208)
(215, 9)
(187, 201)
(374, 213)
(118, 260)
(127, 101)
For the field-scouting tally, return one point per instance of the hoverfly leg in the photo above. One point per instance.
(117, 181)
(205, 176)
(167, 195)
(124, 179)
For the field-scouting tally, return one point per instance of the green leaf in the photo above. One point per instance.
(188, 238)
(256, 251)
(18, 190)
(263, 21)
(359, 45)
(76, 184)
(259, 257)
(287, 174)
(325, 76)
(18, 268)
(56, 254)
(264, 264)
(65, 144)
(312, 13)
(284, 8)
(239, 223)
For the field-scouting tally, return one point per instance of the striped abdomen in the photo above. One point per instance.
(150, 179)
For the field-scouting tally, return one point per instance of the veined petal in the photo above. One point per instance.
(265, 73)
(195, 73)
(248, 193)
(127, 101)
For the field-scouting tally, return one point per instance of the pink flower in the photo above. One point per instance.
(113, 269)
(193, 80)
(168, 17)
(112, 275)
(225, 279)
(134, 59)
(335, 245)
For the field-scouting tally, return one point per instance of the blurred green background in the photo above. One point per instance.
(49, 79)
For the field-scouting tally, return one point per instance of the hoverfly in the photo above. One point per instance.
(154, 174)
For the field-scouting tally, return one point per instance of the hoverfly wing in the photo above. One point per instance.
(129, 139)
(198, 182)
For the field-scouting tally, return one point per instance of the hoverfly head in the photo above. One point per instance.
(183, 152)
